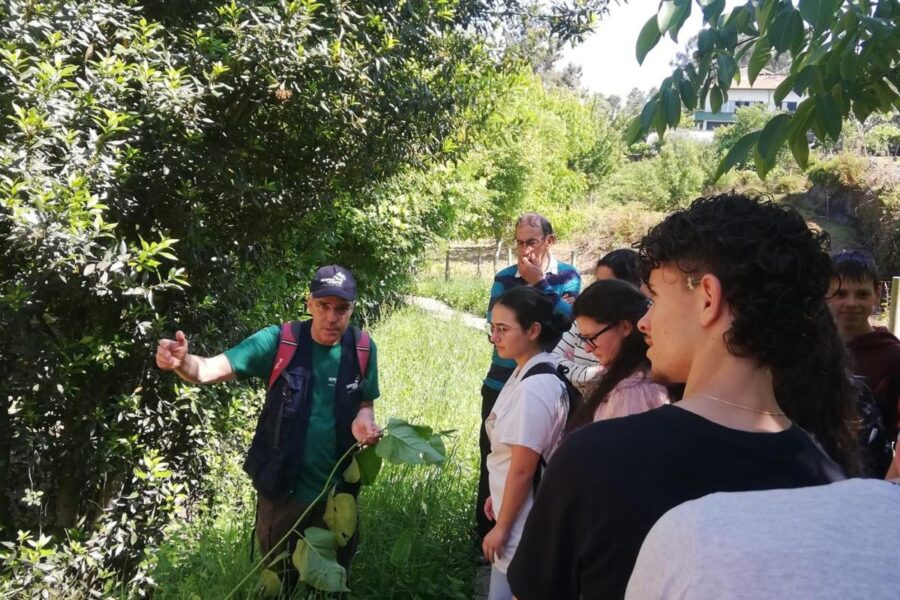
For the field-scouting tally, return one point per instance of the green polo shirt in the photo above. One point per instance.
(254, 357)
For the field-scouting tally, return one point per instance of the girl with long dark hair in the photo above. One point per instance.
(607, 313)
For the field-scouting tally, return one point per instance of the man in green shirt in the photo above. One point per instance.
(331, 303)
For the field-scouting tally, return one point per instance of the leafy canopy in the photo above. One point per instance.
(844, 59)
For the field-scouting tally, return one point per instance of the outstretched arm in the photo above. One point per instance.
(172, 355)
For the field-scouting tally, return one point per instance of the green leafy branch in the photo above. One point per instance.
(315, 556)
(844, 59)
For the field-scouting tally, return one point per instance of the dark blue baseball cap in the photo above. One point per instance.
(333, 280)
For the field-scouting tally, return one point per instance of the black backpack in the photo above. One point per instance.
(575, 400)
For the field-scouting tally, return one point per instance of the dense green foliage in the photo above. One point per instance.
(188, 165)
(844, 58)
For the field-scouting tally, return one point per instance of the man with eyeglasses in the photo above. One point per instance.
(323, 380)
(536, 267)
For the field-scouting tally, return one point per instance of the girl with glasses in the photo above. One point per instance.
(607, 313)
(526, 423)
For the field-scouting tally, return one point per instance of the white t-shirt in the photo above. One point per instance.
(828, 542)
(530, 413)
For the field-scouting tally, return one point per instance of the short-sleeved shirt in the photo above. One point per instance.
(611, 480)
(560, 280)
(529, 412)
(254, 357)
(828, 542)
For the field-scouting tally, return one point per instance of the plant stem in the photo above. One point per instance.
(296, 523)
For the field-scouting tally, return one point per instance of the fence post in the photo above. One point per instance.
(894, 308)
(447, 266)
(478, 264)
(572, 260)
(508, 256)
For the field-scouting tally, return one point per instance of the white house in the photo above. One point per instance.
(743, 94)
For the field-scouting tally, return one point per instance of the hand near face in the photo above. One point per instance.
(529, 270)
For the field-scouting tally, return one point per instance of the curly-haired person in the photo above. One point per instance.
(739, 317)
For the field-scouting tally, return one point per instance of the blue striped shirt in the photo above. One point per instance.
(559, 280)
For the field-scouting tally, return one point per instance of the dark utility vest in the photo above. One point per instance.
(273, 461)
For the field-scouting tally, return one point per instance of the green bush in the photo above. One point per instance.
(883, 139)
(841, 170)
(665, 182)
(167, 164)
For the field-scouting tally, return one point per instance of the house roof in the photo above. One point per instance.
(764, 81)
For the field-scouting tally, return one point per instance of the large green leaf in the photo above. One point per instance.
(771, 139)
(407, 444)
(316, 559)
(725, 68)
(765, 12)
(688, 94)
(737, 153)
(369, 465)
(402, 548)
(706, 41)
(828, 114)
(762, 53)
(341, 516)
(715, 99)
(437, 443)
(783, 89)
(712, 9)
(633, 132)
(786, 29)
(269, 583)
(683, 13)
(819, 13)
(799, 146)
(666, 15)
(351, 473)
(672, 107)
(647, 39)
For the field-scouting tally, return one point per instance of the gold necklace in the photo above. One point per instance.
(741, 406)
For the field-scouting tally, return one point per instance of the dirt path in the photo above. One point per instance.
(443, 312)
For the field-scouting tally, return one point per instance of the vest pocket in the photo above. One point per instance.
(294, 392)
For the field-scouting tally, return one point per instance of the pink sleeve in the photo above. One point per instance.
(631, 400)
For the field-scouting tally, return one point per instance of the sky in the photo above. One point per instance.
(607, 56)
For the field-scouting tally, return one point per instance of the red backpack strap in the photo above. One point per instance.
(287, 345)
(363, 349)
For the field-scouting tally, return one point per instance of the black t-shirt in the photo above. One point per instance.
(610, 481)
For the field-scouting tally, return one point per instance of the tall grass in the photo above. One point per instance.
(466, 294)
(430, 373)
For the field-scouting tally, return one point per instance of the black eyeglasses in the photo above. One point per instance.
(589, 340)
(530, 244)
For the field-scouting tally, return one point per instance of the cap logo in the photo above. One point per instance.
(336, 280)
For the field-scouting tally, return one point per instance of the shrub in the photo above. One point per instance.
(841, 170)
(665, 182)
(883, 139)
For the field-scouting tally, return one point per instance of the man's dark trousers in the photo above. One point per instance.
(482, 524)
